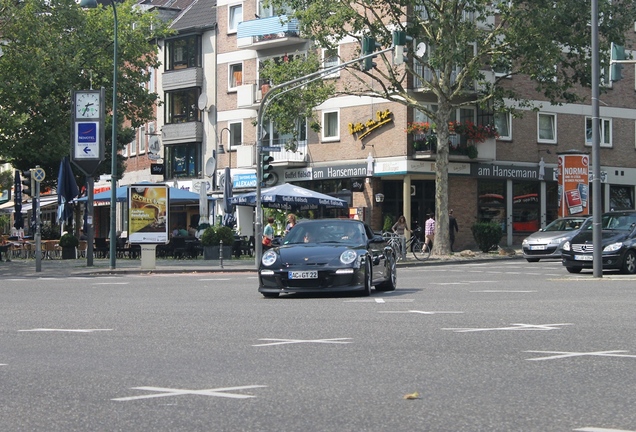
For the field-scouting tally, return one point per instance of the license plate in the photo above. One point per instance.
(583, 257)
(313, 274)
(538, 247)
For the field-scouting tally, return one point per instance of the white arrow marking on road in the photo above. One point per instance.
(65, 330)
(178, 392)
(565, 354)
(293, 341)
(540, 327)
(423, 312)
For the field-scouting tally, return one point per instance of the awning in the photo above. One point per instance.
(45, 201)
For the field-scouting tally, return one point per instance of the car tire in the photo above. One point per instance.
(270, 295)
(629, 262)
(368, 278)
(391, 283)
(574, 269)
(532, 259)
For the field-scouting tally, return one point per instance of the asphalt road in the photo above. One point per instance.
(498, 346)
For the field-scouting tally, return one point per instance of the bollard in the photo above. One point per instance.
(221, 252)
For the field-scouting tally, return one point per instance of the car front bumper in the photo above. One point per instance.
(329, 280)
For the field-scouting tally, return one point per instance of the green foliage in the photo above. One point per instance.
(69, 240)
(39, 68)
(6, 180)
(213, 235)
(4, 223)
(471, 151)
(291, 111)
(388, 223)
(50, 232)
(487, 235)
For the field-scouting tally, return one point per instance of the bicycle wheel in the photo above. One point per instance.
(421, 251)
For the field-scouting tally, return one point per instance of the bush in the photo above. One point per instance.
(487, 235)
(212, 236)
(69, 240)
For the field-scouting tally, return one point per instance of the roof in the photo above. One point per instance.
(200, 14)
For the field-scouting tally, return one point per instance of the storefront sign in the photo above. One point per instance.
(512, 172)
(357, 184)
(326, 173)
(148, 214)
(573, 184)
(361, 130)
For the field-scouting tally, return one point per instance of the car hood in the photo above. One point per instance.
(608, 237)
(547, 236)
(313, 254)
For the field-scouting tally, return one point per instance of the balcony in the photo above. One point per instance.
(178, 133)
(182, 78)
(459, 149)
(266, 33)
(251, 94)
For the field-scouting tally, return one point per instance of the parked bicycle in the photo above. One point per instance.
(420, 250)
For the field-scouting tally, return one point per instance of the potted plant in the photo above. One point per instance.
(211, 241)
(68, 243)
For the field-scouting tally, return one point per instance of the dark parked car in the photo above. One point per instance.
(618, 243)
(547, 242)
(328, 255)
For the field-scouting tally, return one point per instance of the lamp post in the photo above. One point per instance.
(227, 174)
(222, 149)
(113, 167)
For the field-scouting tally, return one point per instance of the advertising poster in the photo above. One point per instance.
(573, 184)
(148, 213)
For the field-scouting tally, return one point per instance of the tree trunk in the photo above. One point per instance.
(441, 245)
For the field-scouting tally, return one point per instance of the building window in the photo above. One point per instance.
(142, 140)
(525, 207)
(235, 16)
(546, 128)
(492, 202)
(182, 160)
(621, 197)
(605, 137)
(236, 76)
(184, 52)
(330, 59)
(503, 123)
(181, 106)
(330, 125)
(236, 134)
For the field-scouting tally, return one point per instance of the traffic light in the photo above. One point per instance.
(369, 45)
(400, 39)
(28, 183)
(617, 53)
(266, 162)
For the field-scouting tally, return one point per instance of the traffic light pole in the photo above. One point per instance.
(267, 98)
(38, 230)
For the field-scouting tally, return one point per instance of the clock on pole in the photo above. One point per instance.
(87, 132)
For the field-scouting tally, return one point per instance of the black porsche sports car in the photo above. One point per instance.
(328, 255)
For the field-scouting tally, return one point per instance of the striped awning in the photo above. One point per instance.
(265, 26)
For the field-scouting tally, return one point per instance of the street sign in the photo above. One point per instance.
(38, 174)
(270, 149)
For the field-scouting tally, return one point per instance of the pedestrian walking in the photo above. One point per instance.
(453, 227)
(429, 230)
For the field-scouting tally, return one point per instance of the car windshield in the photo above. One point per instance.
(565, 224)
(618, 222)
(334, 232)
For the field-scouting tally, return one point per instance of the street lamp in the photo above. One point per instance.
(113, 167)
(227, 173)
(221, 149)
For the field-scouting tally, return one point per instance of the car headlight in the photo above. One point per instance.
(613, 247)
(566, 246)
(524, 242)
(348, 256)
(269, 258)
(558, 240)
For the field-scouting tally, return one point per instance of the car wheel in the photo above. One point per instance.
(391, 283)
(270, 295)
(629, 262)
(573, 269)
(532, 259)
(368, 278)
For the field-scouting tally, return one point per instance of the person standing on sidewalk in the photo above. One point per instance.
(453, 227)
(399, 228)
(429, 230)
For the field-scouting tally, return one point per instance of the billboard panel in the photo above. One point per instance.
(573, 184)
(148, 213)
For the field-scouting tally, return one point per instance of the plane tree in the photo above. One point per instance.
(457, 45)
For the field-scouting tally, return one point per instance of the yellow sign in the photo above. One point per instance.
(148, 213)
(364, 129)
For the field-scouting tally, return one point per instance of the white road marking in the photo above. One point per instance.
(111, 283)
(380, 300)
(423, 312)
(502, 291)
(540, 327)
(384, 301)
(3, 364)
(595, 429)
(566, 354)
(294, 341)
(65, 330)
(178, 392)
(214, 279)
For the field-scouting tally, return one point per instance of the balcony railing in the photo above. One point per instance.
(268, 32)
(460, 148)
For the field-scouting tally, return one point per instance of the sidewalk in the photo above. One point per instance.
(19, 267)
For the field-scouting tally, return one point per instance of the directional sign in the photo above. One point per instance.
(270, 149)
(38, 174)
(87, 131)
(86, 140)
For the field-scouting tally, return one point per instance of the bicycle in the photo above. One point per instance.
(421, 251)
